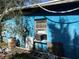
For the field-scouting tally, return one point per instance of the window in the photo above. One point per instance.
(40, 29)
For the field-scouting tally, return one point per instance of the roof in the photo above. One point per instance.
(50, 3)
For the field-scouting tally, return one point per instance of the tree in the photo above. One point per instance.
(5, 5)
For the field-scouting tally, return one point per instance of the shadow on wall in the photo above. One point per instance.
(76, 45)
(61, 35)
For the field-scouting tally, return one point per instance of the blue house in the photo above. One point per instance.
(59, 27)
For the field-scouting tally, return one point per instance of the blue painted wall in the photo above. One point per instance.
(67, 34)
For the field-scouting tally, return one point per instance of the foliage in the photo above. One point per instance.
(5, 4)
(3, 44)
(22, 56)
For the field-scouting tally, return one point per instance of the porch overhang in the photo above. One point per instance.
(36, 10)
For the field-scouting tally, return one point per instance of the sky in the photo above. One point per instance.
(27, 2)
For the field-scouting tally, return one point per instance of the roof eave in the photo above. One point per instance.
(36, 5)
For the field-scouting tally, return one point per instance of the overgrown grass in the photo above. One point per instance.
(22, 56)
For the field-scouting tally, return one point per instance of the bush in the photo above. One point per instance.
(22, 56)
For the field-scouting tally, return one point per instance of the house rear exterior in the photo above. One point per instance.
(51, 27)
